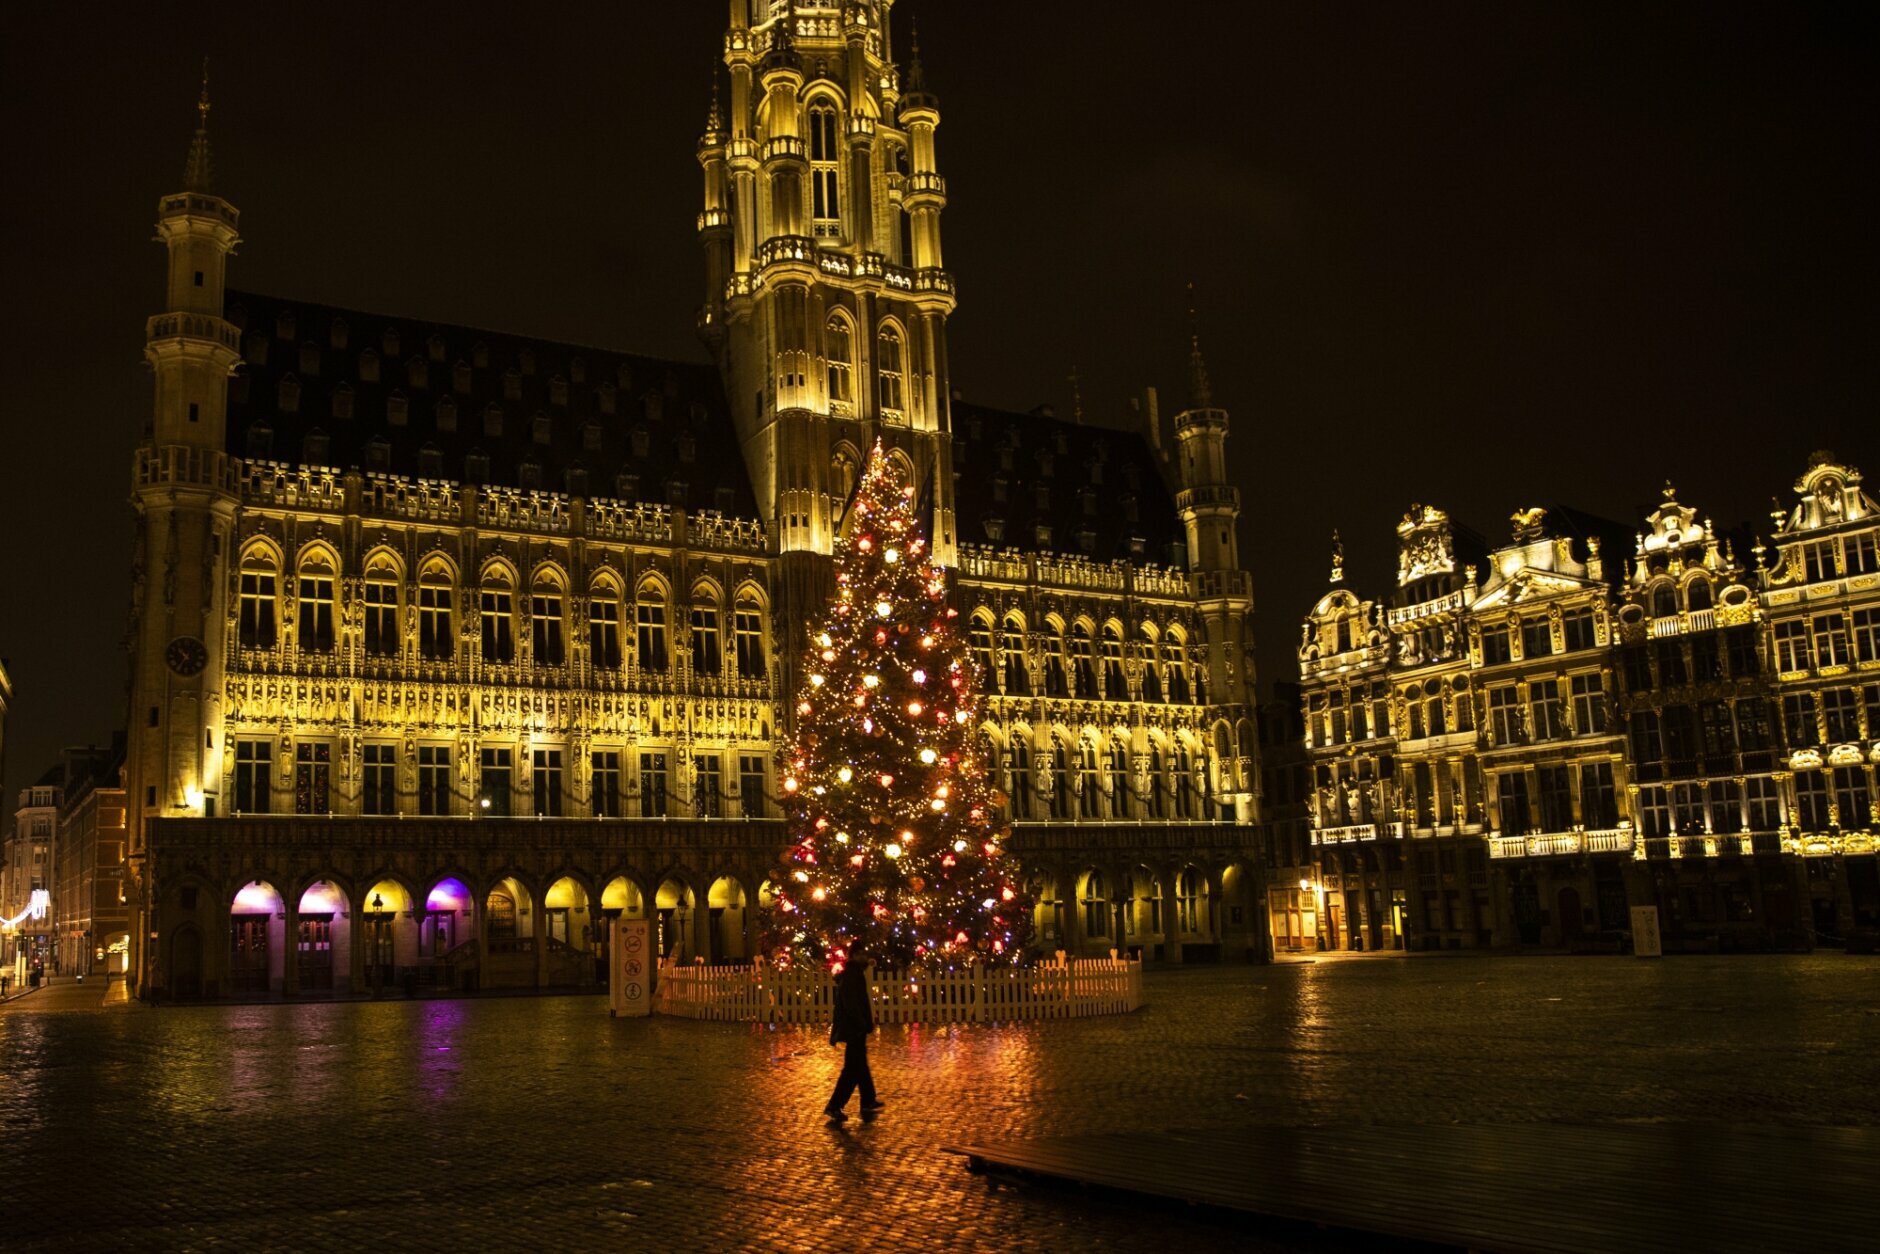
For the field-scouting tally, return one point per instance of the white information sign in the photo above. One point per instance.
(630, 968)
(1646, 942)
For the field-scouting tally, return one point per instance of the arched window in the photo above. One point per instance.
(1012, 646)
(496, 608)
(748, 626)
(1018, 776)
(839, 352)
(257, 600)
(1096, 906)
(435, 640)
(1119, 781)
(1434, 717)
(1151, 666)
(1059, 799)
(1056, 671)
(1158, 784)
(980, 638)
(888, 369)
(825, 170)
(378, 595)
(649, 618)
(1088, 789)
(604, 626)
(545, 621)
(1184, 797)
(1115, 686)
(1175, 658)
(1201, 786)
(1189, 891)
(1664, 601)
(1083, 663)
(707, 655)
(1698, 595)
(315, 590)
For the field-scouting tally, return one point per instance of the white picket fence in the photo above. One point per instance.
(1067, 989)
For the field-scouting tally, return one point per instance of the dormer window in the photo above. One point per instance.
(725, 499)
(1043, 535)
(995, 529)
(460, 378)
(287, 394)
(558, 391)
(998, 488)
(436, 346)
(397, 409)
(653, 406)
(627, 484)
(526, 360)
(688, 449)
(1137, 547)
(476, 466)
(592, 434)
(379, 454)
(529, 475)
(431, 461)
(368, 367)
(512, 384)
(1005, 457)
(343, 402)
(313, 447)
(339, 334)
(446, 414)
(623, 377)
(480, 355)
(604, 397)
(1087, 540)
(541, 429)
(1043, 494)
(1045, 464)
(388, 342)
(493, 421)
(255, 349)
(678, 491)
(310, 358)
(418, 373)
(642, 441)
(825, 172)
(260, 441)
(575, 481)
(284, 325)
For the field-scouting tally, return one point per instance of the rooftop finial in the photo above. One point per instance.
(198, 172)
(715, 120)
(1200, 393)
(1338, 557)
(916, 76)
(1077, 397)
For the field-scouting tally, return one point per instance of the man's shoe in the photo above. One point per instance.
(835, 1116)
(871, 1109)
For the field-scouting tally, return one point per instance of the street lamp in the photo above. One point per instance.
(378, 943)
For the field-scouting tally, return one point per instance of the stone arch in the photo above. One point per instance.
(257, 940)
(323, 946)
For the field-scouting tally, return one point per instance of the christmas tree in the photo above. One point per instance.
(895, 842)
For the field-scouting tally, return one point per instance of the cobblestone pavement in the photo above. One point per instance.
(499, 1123)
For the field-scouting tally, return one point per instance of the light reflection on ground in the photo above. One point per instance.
(494, 1121)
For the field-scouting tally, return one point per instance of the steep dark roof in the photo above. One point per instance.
(669, 438)
(1046, 470)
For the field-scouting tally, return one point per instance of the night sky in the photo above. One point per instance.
(1482, 255)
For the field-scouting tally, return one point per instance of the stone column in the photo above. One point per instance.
(539, 913)
(355, 924)
(290, 951)
(1171, 917)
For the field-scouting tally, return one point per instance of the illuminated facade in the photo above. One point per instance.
(1521, 744)
(450, 644)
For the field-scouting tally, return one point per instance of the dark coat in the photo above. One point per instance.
(854, 1018)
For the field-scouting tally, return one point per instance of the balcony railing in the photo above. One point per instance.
(1556, 844)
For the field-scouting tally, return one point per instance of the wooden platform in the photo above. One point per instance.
(1515, 1187)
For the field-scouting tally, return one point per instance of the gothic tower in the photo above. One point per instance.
(1210, 510)
(184, 494)
(826, 301)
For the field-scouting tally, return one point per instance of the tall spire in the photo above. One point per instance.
(1200, 393)
(199, 172)
(916, 76)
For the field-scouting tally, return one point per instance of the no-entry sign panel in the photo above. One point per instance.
(630, 968)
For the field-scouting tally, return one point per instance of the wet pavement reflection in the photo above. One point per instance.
(506, 1121)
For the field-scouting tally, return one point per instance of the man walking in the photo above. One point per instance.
(853, 1019)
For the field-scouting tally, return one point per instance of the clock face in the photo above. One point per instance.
(186, 655)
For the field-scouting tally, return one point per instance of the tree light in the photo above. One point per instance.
(871, 681)
(929, 757)
(845, 775)
(914, 708)
(883, 609)
(893, 851)
(815, 681)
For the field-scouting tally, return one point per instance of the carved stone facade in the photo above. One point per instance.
(1519, 757)
(449, 643)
